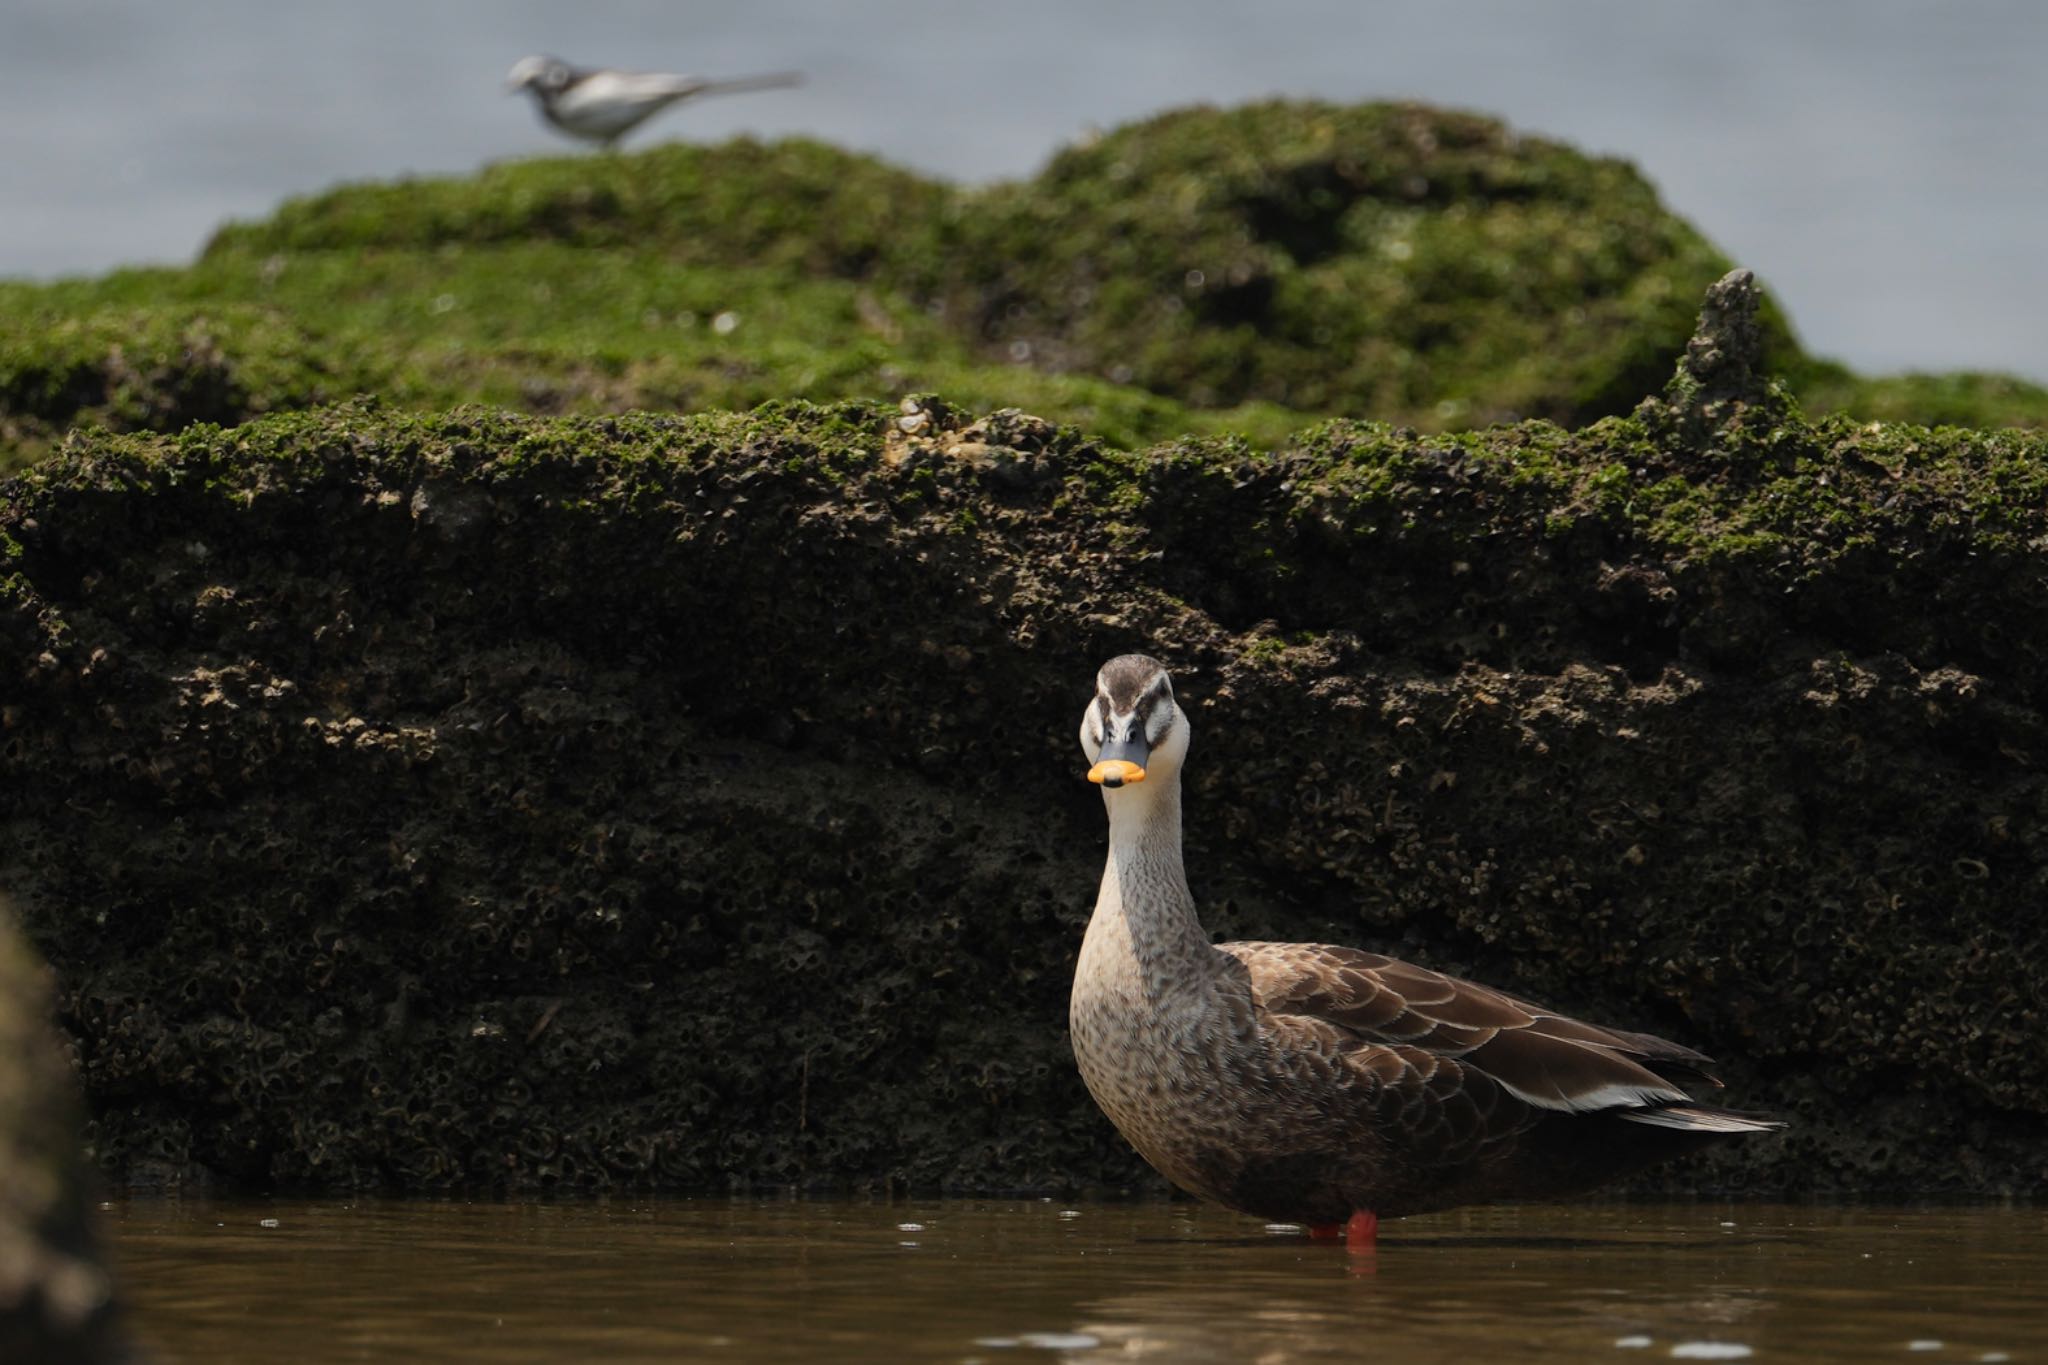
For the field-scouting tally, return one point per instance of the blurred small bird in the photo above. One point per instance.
(603, 105)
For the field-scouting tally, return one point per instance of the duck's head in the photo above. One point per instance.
(1133, 732)
(545, 75)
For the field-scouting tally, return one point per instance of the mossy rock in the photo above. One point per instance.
(158, 368)
(1383, 258)
(1390, 260)
(1962, 399)
(1205, 272)
(795, 203)
(478, 802)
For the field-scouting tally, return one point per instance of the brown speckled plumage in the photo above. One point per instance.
(1301, 1082)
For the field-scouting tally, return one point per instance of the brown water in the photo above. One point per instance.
(1011, 1282)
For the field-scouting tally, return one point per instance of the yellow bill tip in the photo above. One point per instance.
(1115, 772)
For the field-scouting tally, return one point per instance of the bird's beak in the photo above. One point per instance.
(1121, 761)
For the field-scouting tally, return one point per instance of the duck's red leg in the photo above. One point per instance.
(1361, 1233)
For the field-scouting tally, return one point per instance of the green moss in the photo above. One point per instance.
(543, 327)
(797, 205)
(156, 367)
(1251, 270)
(1967, 399)
(1390, 259)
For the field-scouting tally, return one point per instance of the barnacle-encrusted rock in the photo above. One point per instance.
(1721, 392)
(484, 801)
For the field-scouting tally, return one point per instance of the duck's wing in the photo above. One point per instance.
(1396, 1021)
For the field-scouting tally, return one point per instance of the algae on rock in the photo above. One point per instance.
(1240, 271)
(478, 801)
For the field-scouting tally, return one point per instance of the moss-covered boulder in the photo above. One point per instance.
(1386, 258)
(1382, 259)
(56, 1307)
(1206, 271)
(160, 367)
(797, 203)
(482, 801)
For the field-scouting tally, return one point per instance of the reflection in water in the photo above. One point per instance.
(1000, 1282)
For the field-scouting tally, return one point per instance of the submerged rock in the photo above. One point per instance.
(476, 801)
(56, 1305)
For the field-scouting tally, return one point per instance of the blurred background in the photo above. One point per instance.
(1882, 163)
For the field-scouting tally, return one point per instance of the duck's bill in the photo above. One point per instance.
(1115, 772)
(1121, 761)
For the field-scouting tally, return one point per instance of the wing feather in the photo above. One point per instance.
(1395, 1012)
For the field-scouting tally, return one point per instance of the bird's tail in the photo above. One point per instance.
(771, 80)
(1701, 1118)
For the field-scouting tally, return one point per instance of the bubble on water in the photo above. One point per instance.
(999, 1343)
(1711, 1350)
(1635, 1343)
(1994, 1356)
(906, 1244)
(1070, 1213)
(1924, 1344)
(266, 1222)
(1283, 1229)
(910, 1227)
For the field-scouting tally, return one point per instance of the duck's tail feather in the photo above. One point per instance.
(1700, 1118)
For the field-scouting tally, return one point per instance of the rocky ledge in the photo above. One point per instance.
(482, 801)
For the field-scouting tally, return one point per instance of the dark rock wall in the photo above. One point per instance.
(491, 802)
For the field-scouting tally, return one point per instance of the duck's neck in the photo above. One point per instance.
(1145, 907)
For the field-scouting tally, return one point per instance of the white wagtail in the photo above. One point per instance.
(603, 105)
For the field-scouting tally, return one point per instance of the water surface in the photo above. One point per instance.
(1022, 1281)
